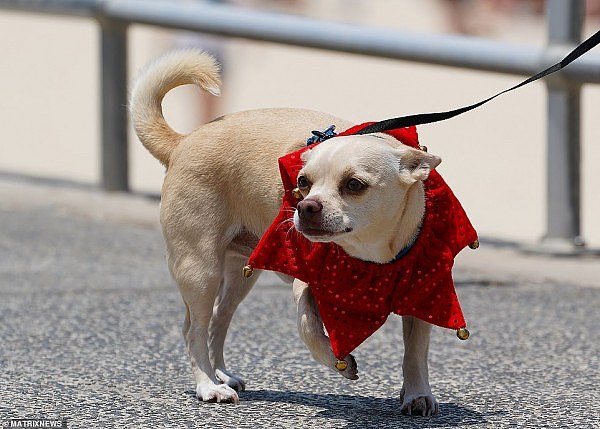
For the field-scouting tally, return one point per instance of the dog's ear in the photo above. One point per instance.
(416, 164)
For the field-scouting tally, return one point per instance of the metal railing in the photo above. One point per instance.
(564, 17)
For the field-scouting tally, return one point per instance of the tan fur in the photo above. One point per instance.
(222, 190)
(173, 70)
(384, 219)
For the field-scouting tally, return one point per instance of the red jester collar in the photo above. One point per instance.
(355, 297)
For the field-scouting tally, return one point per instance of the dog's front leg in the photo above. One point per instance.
(416, 394)
(310, 327)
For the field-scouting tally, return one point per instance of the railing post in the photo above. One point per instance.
(565, 19)
(113, 76)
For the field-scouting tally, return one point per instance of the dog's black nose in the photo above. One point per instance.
(308, 209)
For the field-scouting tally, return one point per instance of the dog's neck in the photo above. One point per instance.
(402, 231)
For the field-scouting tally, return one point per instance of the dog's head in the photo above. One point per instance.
(358, 189)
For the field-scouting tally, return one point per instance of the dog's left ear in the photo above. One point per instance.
(417, 164)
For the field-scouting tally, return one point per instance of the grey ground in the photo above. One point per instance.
(90, 330)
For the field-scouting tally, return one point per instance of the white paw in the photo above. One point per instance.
(419, 404)
(210, 392)
(232, 380)
(351, 370)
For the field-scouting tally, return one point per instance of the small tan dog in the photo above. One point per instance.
(222, 190)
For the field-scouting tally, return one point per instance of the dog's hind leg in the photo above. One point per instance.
(416, 395)
(310, 328)
(234, 289)
(199, 289)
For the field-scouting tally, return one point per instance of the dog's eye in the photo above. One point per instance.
(355, 185)
(303, 182)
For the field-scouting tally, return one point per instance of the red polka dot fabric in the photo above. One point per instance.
(355, 297)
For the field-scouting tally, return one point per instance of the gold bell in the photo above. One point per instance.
(247, 271)
(463, 334)
(341, 365)
(423, 148)
(474, 245)
(296, 193)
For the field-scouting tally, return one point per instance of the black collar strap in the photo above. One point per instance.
(407, 248)
(426, 118)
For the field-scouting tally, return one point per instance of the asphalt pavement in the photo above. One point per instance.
(90, 331)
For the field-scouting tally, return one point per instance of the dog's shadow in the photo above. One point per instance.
(368, 412)
(362, 412)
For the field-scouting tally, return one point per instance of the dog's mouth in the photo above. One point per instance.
(320, 234)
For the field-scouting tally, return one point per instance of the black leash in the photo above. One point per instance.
(426, 118)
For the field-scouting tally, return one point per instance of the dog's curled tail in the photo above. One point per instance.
(182, 67)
